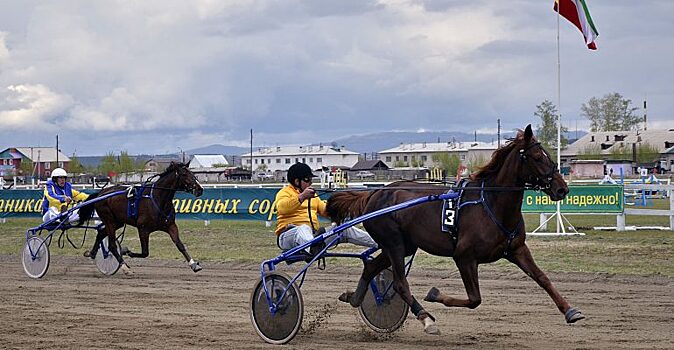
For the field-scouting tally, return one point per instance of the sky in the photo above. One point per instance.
(152, 77)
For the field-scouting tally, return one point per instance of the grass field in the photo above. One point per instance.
(632, 252)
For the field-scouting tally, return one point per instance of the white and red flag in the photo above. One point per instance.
(576, 12)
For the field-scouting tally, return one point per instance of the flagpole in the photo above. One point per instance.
(559, 118)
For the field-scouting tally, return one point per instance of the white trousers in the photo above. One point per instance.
(299, 235)
(53, 213)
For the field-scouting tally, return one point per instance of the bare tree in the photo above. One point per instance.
(611, 113)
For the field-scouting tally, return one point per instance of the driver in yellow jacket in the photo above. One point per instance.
(294, 227)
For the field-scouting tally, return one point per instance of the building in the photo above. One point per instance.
(31, 161)
(619, 145)
(421, 154)
(280, 158)
(208, 161)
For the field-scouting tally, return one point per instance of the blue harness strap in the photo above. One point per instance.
(454, 227)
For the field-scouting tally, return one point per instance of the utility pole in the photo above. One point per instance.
(498, 130)
(57, 150)
(645, 120)
(251, 155)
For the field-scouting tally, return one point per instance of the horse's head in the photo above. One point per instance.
(186, 180)
(538, 169)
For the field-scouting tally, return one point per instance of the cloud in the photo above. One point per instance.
(32, 107)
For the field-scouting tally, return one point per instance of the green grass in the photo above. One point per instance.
(632, 252)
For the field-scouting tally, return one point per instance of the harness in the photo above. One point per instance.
(451, 209)
(137, 192)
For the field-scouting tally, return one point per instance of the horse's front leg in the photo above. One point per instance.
(523, 259)
(469, 276)
(173, 232)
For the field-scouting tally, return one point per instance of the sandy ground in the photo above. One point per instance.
(164, 305)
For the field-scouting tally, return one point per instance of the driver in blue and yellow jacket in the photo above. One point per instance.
(59, 195)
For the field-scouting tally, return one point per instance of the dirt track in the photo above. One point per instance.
(164, 305)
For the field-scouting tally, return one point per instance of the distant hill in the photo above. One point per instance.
(219, 149)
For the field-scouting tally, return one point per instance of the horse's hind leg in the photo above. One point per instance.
(370, 270)
(144, 238)
(173, 232)
(100, 234)
(400, 285)
(112, 245)
(469, 276)
(523, 259)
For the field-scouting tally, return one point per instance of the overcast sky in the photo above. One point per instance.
(159, 76)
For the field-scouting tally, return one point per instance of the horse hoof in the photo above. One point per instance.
(430, 327)
(126, 269)
(432, 295)
(345, 297)
(125, 251)
(572, 315)
(90, 254)
(196, 267)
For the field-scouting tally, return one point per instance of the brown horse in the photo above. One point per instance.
(491, 226)
(153, 211)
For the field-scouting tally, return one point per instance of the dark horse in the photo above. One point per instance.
(491, 226)
(154, 211)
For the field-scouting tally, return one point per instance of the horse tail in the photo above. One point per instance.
(349, 204)
(87, 210)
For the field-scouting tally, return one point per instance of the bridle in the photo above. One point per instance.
(534, 181)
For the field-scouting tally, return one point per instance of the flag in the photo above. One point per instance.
(576, 12)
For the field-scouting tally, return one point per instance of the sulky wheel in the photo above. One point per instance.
(105, 260)
(384, 313)
(279, 324)
(35, 257)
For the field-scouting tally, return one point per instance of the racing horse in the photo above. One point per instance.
(153, 210)
(490, 226)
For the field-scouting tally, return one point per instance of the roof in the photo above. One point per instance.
(38, 154)
(441, 147)
(315, 150)
(207, 160)
(374, 164)
(606, 142)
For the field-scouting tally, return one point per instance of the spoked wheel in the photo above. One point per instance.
(105, 260)
(383, 309)
(35, 257)
(279, 324)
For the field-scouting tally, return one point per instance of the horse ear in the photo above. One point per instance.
(528, 134)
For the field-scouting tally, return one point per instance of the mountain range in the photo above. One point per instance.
(368, 143)
(380, 141)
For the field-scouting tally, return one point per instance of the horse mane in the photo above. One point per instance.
(497, 159)
(348, 204)
(172, 167)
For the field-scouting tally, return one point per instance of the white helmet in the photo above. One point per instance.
(59, 172)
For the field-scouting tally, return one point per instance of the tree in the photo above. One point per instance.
(76, 166)
(108, 164)
(448, 162)
(26, 167)
(125, 163)
(546, 132)
(611, 113)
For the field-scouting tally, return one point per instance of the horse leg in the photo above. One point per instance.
(370, 270)
(469, 276)
(173, 232)
(100, 234)
(144, 238)
(400, 285)
(112, 245)
(523, 259)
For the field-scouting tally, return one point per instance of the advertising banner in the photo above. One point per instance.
(581, 199)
